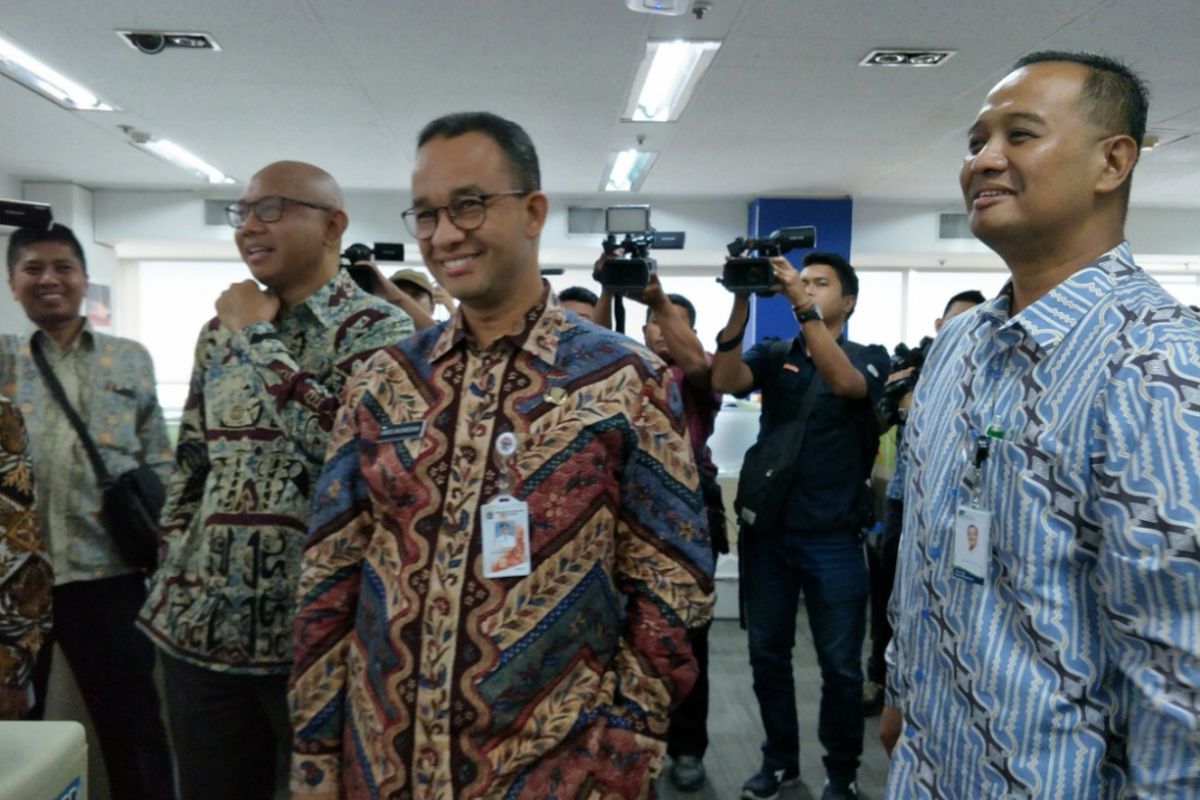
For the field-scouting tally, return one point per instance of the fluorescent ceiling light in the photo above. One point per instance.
(174, 154)
(33, 74)
(666, 78)
(626, 170)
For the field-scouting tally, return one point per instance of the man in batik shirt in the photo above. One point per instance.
(25, 576)
(264, 391)
(417, 675)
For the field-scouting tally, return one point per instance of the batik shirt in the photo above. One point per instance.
(25, 577)
(251, 442)
(109, 381)
(418, 677)
(1073, 670)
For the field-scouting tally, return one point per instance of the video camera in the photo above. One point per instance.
(363, 275)
(629, 272)
(754, 274)
(903, 357)
(23, 214)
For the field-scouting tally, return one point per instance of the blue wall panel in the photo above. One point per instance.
(832, 218)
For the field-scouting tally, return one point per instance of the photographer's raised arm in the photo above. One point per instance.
(729, 372)
(682, 342)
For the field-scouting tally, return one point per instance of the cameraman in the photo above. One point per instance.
(881, 556)
(417, 304)
(814, 541)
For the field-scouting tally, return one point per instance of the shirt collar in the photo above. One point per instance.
(537, 333)
(84, 341)
(324, 303)
(1053, 315)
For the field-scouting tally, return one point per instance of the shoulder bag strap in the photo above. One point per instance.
(60, 396)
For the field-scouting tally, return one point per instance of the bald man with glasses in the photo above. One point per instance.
(265, 387)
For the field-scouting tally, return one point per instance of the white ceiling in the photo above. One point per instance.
(785, 108)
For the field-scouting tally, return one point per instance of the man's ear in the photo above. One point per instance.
(536, 209)
(335, 226)
(1120, 154)
(849, 301)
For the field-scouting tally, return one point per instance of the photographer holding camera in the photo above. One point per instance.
(881, 552)
(801, 501)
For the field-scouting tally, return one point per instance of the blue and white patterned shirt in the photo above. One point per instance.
(1073, 670)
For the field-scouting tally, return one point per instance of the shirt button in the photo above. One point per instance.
(910, 731)
(925, 613)
(919, 675)
(935, 552)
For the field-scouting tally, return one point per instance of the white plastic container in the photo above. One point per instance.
(726, 575)
(43, 761)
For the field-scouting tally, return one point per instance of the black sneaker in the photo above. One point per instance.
(840, 791)
(766, 783)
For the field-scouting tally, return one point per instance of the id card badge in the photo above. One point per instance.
(505, 526)
(972, 543)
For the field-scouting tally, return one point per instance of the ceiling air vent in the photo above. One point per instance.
(153, 42)
(954, 226)
(584, 221)
(906, 58)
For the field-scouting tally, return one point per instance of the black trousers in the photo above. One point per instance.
(688, 734)
(232, 733)
(113, 663)
(882, 562)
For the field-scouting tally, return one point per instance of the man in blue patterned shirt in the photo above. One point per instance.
(1054, 651)
(266, 384)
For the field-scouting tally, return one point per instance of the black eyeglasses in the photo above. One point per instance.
(465, 213)
(267, 209)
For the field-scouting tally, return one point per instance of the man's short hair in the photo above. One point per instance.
(846, 274)
(1113, 96)
(578, 294)
(972, 296)
(24, 237)
(511, 138)
(679, 300)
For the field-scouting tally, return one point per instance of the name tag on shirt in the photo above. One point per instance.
(972, 543)
(504, 523)
(402, 431)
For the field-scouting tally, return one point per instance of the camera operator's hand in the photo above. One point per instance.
(244, 303)
(906, 401)
(653, 295)
(788, 280)
(889, 728)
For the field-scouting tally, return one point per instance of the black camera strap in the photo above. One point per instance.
(60, 396)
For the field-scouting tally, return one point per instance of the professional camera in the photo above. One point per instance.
(629, 272)
(363, 275)
(903, 357)
(753, 274)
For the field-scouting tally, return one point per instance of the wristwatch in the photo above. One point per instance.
(813, 312)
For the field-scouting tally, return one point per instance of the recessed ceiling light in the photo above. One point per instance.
(31, 73)
(666, 79)
(153, 42)
(172, 153)
(906, 58)
(626, 170)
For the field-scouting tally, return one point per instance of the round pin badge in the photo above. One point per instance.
(506, 444)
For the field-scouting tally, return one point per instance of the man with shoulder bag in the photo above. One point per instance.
(94, 422)
(801, 503)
